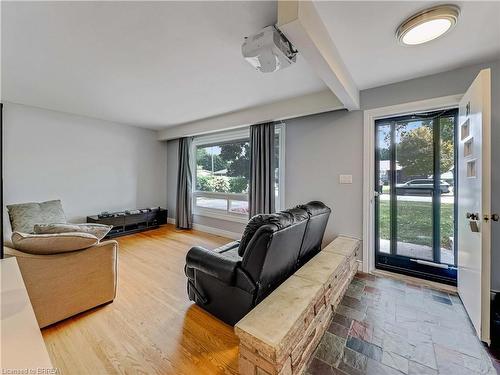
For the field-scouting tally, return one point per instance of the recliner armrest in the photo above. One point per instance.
(212, 263)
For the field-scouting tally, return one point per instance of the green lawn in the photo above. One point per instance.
(415, 222)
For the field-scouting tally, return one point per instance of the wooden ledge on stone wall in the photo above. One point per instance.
(280, 334)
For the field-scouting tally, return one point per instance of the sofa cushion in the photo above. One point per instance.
(227, 247)
(315, 208)
(232, 254)
(316, 226)
(279, 220)
(98, 230)
(255, 223)
(24, 216)
(297, 213)
(47, 244)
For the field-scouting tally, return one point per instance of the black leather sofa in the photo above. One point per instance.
(230, 280)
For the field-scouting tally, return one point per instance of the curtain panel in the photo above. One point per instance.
(184, 207)
(261, 193)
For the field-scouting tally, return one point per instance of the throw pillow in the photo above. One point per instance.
(24, 216)
(98, 230)
(47, 244)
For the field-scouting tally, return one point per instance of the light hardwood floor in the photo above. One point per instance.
(151, 327)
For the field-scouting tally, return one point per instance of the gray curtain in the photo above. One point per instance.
(184, 209)
(261, 187)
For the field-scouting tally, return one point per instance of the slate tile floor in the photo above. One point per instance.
(386, 326)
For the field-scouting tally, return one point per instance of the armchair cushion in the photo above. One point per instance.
(52, 243)
(212, 263)
(98, 230)
(24, 216)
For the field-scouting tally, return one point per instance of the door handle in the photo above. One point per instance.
(493, 217)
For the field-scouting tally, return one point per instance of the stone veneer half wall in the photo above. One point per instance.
(279, 336)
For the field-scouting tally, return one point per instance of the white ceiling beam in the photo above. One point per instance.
(319, 102)
(302, 25)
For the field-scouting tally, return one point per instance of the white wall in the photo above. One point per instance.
(91, 165)
(318, 149)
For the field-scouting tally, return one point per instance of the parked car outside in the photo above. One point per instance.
(421, 187)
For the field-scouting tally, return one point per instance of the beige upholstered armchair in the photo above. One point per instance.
(61, 285)
(65, 284)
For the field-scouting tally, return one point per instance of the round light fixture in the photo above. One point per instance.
(428, 24)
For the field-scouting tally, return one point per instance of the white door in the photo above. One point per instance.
(474, 206)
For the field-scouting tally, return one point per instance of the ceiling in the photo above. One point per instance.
(159, 64)
(364, 34)
(151, 64)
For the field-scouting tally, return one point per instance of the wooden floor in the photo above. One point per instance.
(151, 327)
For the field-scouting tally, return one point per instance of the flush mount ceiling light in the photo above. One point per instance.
(428, 24)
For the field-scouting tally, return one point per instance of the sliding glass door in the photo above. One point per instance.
(415, 195)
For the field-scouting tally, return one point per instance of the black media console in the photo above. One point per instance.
(133, 221)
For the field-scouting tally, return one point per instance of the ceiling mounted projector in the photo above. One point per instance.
(268, 50)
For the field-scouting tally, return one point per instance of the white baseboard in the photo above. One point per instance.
(211, 230)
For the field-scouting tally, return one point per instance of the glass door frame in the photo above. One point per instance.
(404, 264)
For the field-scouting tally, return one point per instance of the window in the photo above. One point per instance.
(222, 170)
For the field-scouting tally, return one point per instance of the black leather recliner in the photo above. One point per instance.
(230, 280)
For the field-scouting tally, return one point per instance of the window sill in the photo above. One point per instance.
(221, 215)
